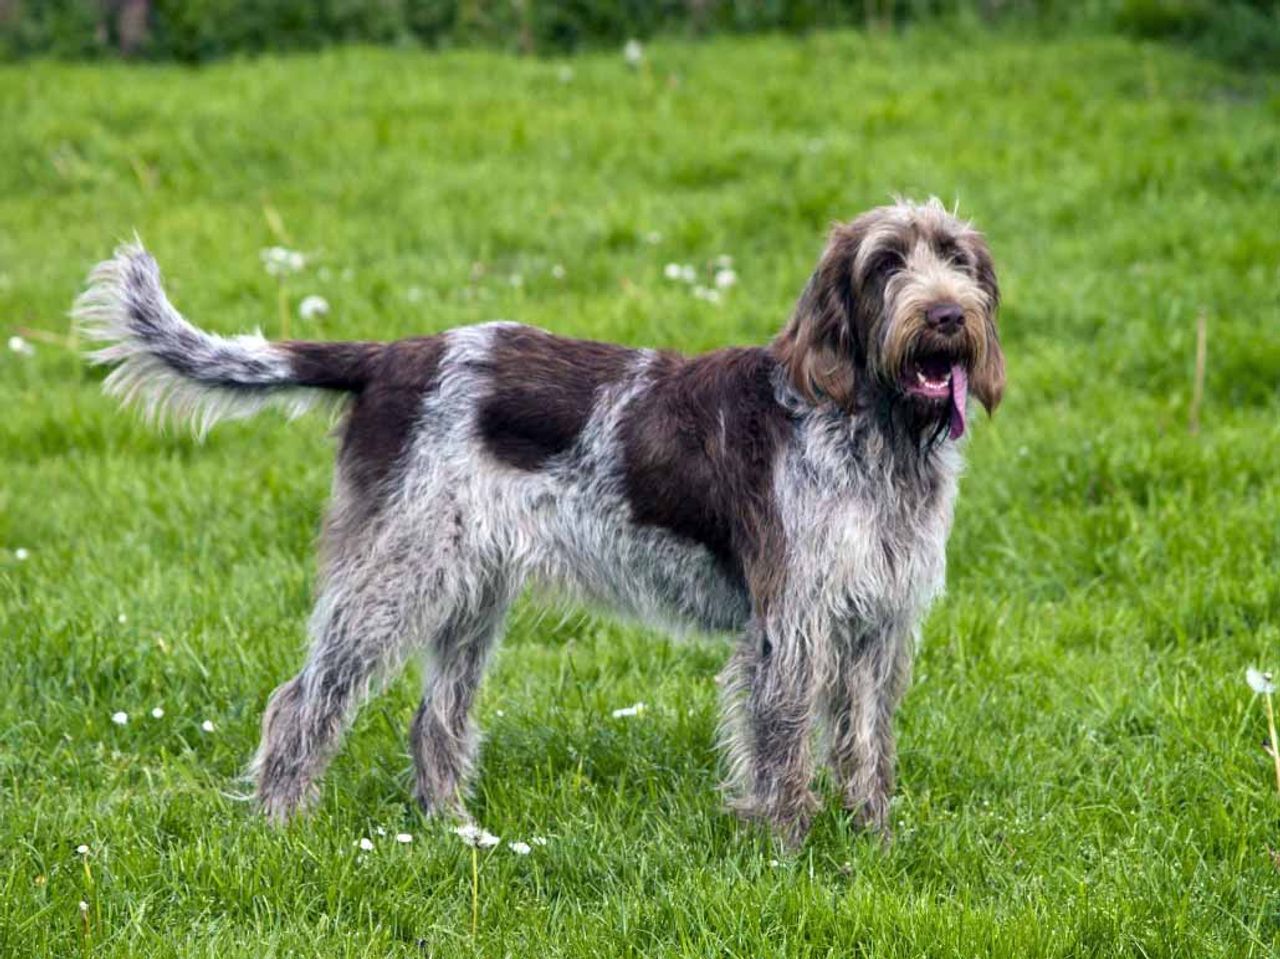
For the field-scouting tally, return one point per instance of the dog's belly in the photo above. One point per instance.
(594, 551)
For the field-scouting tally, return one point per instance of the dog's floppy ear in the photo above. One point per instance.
(987, 378)
(818, 347)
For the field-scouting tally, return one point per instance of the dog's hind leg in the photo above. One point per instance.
(442, 737)
(366, 619)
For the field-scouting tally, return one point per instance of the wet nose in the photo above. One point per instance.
(945, 317)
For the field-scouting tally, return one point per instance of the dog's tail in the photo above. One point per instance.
(174, 370)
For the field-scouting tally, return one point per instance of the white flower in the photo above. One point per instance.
(519, 848)
(724, 262)
(633, 53)
(1259, 682)
(627, 711)
(379, 830)
(365, 844)
(120, 718)
(653, 237)
(404, 837)
(20, 553)
(705, 293)
(671, 271)
(278, 261)
(313, 306)
(207, 725)
(725, 278)
(557, 271)
(82, 849)
(475, 836)
(20, 346)
(688, 273)
(157, 713)
(84, 906)
(413, 294)
(539, 840)
(122, 619)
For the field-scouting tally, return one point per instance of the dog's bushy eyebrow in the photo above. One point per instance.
(948, 247)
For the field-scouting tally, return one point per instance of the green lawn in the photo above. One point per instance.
(1081, 772)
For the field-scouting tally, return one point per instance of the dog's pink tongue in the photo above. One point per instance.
(959, 393)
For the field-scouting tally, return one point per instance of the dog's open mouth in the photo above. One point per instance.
(940, 379)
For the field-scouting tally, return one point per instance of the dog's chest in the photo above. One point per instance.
(872, 537)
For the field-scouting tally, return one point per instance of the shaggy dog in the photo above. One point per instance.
(798, 494)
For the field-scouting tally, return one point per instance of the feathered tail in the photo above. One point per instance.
(175, 371)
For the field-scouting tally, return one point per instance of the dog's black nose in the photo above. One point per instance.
(945, 317)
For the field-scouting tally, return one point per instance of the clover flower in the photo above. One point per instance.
(279, 261)
(313, 306)
(473, 835)
(120, 718)
(519, 848)
(20, 346)
(628, 711)
(1259, 681)
(633, 53)
(680, 272)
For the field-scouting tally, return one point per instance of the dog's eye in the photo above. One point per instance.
(953, 254)
(885, 265)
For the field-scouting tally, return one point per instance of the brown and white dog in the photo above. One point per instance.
(798, 494)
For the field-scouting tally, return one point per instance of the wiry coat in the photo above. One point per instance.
(799, 494)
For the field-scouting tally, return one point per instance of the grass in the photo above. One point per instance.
(1081, 770)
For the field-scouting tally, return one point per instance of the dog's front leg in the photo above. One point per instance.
(769, 695)
(859, 699)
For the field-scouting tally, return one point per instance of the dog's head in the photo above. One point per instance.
(902, 307)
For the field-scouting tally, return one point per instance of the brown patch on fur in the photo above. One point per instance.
(699, 446)
(818, 346)
(986, 379)
(333, 366)
(377, 431)
(543, 390)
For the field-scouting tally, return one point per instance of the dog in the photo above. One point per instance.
(798, 495)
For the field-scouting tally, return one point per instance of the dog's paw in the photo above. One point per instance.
(788, 819)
